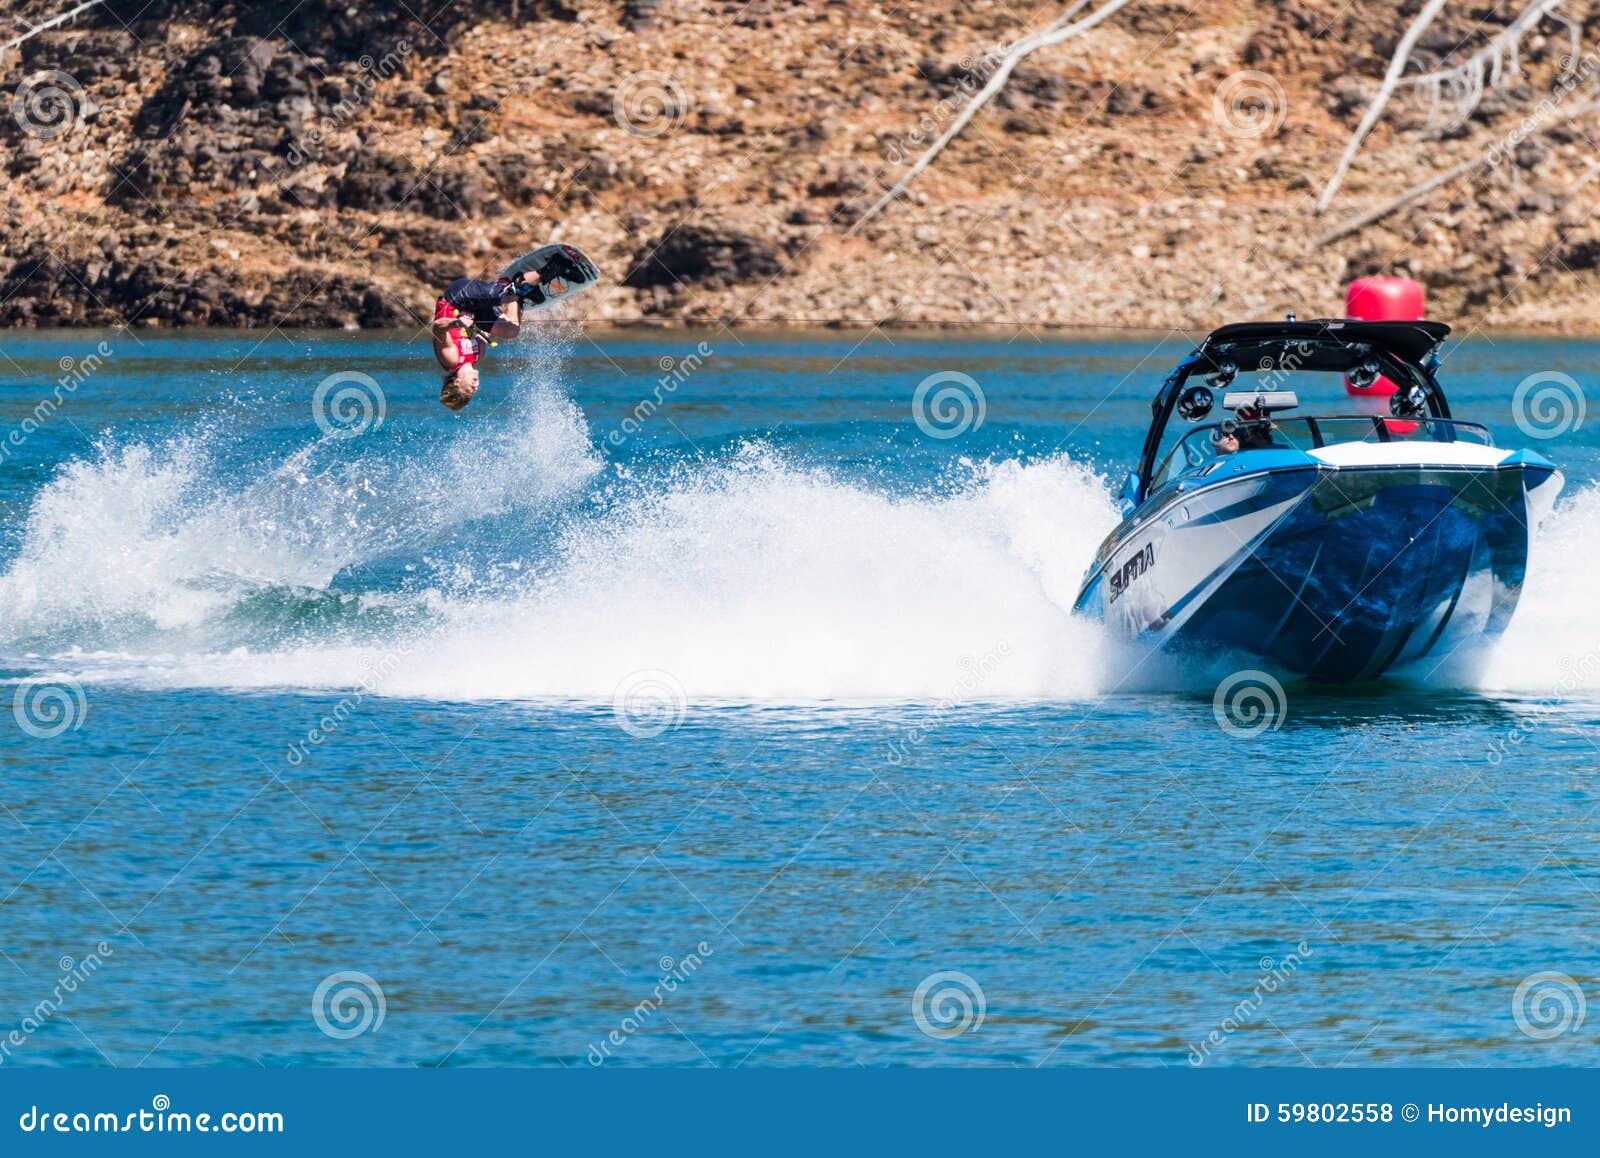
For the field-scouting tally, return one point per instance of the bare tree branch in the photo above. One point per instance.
(1397, 65)
(1460, 86)
(1077, 7)
(1009, 59)
(47, 25)
(1470, 165)
(1502, 50)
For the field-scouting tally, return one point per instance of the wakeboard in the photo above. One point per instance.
(564, 272)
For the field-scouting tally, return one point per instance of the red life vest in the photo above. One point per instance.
(467, 348)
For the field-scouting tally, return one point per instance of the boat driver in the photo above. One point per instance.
(465, 317)
(1225, 439)
(1252, 430)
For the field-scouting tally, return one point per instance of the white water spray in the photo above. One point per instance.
(751, 577)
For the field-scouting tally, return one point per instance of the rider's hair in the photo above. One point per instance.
(450, 393)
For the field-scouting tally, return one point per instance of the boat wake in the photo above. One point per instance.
(511, 561)
(162, 544)
(1552, 647)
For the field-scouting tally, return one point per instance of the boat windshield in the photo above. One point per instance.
(1205, 444)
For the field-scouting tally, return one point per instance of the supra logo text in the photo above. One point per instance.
(1124, 577)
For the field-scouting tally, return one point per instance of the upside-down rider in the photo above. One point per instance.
(465, 318)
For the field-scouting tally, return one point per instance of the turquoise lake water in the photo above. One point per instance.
(747, 727)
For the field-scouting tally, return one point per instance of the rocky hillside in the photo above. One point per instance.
(221, 163)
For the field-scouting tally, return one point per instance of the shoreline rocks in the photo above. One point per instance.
(215, 166)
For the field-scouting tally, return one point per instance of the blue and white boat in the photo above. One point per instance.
(1336, 548)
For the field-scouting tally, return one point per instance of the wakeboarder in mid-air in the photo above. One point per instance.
(470, 314)
(467, 315)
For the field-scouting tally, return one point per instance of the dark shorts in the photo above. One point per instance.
(481, 299)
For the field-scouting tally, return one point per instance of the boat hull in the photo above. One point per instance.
(1333, 573)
